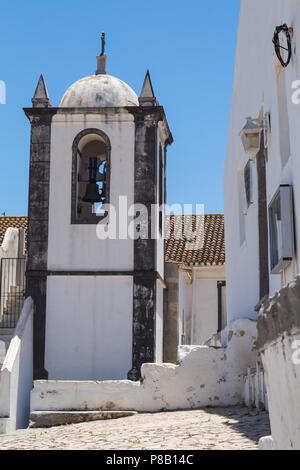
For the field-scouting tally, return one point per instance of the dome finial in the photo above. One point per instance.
(103, 43)
(101, 59)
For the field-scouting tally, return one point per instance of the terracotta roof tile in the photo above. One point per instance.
(182, 247)
(195, 239)
(16, 222)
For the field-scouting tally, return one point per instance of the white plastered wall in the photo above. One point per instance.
(198, 299)
(205, 306)
(89, 327)
(77, 246)
(159, 322)
(185, 295)
(282, 375)
(89, 319)
(256, 87)
(160, 258)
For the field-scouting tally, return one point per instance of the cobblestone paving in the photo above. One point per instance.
(209, 429)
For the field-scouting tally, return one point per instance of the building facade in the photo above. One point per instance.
(249, 269)
(195, 299)
(262, 199)
(98, 294)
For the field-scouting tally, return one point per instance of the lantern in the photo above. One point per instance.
(251, 136)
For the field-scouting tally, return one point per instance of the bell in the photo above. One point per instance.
(92, 193)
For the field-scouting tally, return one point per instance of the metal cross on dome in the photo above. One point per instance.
(103, 43)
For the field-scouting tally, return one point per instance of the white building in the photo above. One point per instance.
(195, 302)
(262, 198)
(269, 92)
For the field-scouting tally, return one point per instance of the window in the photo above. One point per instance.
(281, 221)
(248, 181)
(90, 176)
(183, 337)
(241, 201)
(222, 313)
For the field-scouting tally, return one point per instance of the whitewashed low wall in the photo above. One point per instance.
(16, 377)
(281, 360)
(206, 376)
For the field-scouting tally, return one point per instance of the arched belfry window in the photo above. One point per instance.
(90, 176)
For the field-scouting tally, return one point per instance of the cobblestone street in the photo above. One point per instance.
(209, 429)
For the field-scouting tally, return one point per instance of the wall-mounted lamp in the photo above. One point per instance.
(251, 136)
(252, 133)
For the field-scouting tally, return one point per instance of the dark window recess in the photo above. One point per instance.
(91, 161)
(222, 317)
(248, 183)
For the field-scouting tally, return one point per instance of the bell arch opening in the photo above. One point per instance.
(90, 176)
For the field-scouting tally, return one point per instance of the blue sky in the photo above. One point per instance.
(189, 48)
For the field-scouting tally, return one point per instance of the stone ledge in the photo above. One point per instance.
(47, 419)
(279, 315)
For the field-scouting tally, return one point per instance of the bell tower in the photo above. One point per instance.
(98, 300)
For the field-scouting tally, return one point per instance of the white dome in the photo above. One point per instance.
(99, 91)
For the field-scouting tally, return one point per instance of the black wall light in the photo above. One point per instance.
(279, 47)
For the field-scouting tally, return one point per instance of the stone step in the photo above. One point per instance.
(47, 419)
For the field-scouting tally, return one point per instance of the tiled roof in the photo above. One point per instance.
(195, 240)
(16, 222)
(182, 247)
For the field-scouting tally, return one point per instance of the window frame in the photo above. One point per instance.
(287, 248)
